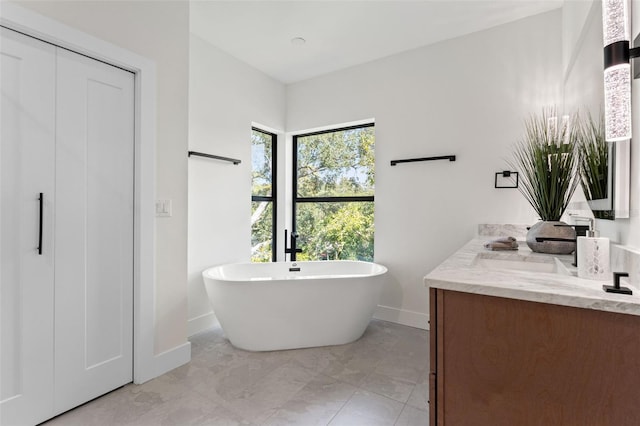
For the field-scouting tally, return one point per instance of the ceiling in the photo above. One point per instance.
(341, 34)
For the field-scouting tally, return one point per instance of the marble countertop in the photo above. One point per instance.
(460, 273)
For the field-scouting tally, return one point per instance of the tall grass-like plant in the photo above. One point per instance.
(594, 158)
(547, 158)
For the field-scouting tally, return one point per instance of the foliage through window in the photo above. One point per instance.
(333, 190)
(263, 196)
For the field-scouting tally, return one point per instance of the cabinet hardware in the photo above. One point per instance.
(40, 200)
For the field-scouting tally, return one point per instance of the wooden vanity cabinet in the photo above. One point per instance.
(499, 361)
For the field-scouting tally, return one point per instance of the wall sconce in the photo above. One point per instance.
(617, 69)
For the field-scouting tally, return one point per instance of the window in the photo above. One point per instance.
(333, 193)
(263, 196)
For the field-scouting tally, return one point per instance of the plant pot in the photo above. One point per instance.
(557, 238)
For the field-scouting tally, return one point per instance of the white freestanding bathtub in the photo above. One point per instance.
(287, 305)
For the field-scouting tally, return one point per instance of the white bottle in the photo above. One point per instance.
(593, 256)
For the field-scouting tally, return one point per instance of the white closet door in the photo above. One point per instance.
(94, 229)
(27, 114)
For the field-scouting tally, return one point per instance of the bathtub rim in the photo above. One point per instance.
(213, 271)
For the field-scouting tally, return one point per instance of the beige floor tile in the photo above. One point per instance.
(368, 409)
(364, 383)
(401, 368)
(391, 387)
(419, 397)
(315, 404)
(190, 410)
(411, 416)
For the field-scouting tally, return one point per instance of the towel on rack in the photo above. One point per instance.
(502, 243)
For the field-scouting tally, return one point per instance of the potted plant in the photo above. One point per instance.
(547, 159)
(594, 159)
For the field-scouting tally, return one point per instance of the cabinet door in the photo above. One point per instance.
(94, 229)
(505, 361)
(26, 277)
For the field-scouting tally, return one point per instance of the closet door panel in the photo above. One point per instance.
(94, 228)
(27, 117)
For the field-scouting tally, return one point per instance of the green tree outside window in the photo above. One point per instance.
(334, 194)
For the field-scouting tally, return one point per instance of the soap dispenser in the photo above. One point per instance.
(593, 256)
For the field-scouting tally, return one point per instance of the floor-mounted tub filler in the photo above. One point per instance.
(284, 305)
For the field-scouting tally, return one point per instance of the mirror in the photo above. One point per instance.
(599, 192)
(609, 198)
(583, 91)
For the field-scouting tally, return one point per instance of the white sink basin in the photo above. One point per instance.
(547, 265)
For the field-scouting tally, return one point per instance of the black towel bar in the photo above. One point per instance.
(413, 160)
(216, 157)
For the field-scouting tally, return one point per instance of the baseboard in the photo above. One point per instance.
(201, 323)
(401, 316)
(173, 358)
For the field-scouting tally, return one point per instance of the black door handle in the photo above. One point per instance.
(41, 200)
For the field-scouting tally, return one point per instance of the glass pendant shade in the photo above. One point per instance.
(617, 102)
(615, 25)
(617, 71)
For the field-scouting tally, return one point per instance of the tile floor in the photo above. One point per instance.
(381, 379)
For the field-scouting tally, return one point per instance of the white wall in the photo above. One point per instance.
(583, 75)
(226, 96)
(158, 31)
(468, 97)
(575, 15)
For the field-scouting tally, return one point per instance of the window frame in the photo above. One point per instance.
(294, 170)
(273, 198)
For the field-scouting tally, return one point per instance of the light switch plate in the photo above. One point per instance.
(163, 208)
